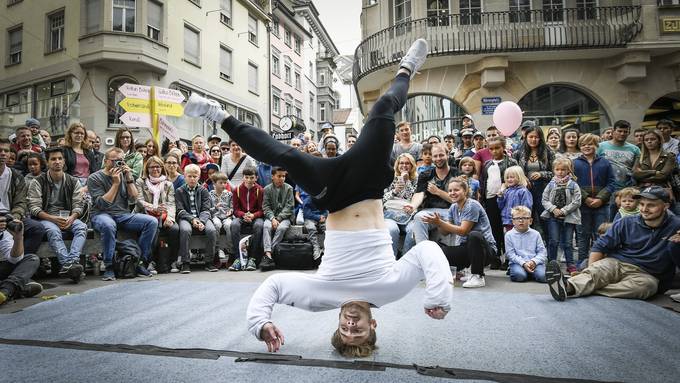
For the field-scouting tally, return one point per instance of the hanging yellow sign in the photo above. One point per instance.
(138, 105)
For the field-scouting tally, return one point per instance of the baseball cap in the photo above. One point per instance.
(528, 124)
(469, 117)
(211, 165)
(215, 137)
(32, 122)
(467, 132)
(654, 192)
(478, 134)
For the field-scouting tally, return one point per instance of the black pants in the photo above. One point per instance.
(33, 235)
(475, 253)
(14, 276)
(363, 172)
(496, 223)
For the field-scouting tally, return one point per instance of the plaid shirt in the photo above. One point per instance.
(192, 200)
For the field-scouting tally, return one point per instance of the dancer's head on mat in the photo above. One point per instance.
(355, 336)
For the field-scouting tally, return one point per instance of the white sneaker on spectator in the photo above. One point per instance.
(466, 274)
(152, 268)
(174, 268)
(211, 110)
(675, 297)
(415, 57)
(221, 254)
(475, 281)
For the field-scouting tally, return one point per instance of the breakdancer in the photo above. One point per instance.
(358, 270)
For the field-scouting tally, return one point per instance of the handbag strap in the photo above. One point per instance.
(235, 169)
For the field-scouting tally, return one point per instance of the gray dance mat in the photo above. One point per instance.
(196, 331)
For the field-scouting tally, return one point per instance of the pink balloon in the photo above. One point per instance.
(507, 117)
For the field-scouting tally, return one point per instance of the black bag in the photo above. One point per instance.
(126, 259)
(295, 256)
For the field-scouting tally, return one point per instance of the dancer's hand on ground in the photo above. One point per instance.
(436, 313)
(272, 336)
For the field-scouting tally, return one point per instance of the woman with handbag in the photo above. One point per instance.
(234, 163)
(398, 195)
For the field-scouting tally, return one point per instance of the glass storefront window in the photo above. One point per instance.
(564, 106)
(431, 115)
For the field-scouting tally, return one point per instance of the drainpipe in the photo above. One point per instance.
(269, 76)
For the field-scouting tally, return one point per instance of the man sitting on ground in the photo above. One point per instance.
(193, 215)
(16, 268)
(634, 259)
(55, 198)
(278, 211)
(113, 190)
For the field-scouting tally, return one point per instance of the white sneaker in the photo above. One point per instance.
(174, 268)
(475, 281)
(211, 110)
(221, 254)
(675, 297)
(414, 58)
(152, 268)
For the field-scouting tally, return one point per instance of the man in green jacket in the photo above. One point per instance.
(278, 209)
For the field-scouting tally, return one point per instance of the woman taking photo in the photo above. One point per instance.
(197, 155)
(536, 160)
(79, 160)
(126, 141)
(397, 195)
(569, 145)
(234, 163)
(655, 165)
(157, 198)
(172, 170)
(469, 222)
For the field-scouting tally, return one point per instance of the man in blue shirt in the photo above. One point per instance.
(635, 258)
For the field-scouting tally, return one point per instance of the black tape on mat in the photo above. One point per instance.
(293, 360)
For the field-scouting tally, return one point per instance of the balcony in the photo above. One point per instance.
(498, 32)
(108, 48)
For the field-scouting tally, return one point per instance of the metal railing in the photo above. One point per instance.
(509, 31)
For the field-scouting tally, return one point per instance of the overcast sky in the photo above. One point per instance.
(341, 20)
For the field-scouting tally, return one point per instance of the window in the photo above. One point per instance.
(470, 12)
(520, 11)
(289, 109)
(322, 79)
(287, 72)
(586, 9)
(311, 103)
(12, 99)
(298, 112)
(668, 2)
(225, 14)
(438, 12)
(124, 15)
(93, 14)
(252, 77)
(286, 36)
(298, 81)
(402, 14)
(298, 44)
(252, 29)
(311, 70)
(553, 10)
(154, 20)
(276, 63)
(114, 96)
(192, 45)
(225, 63)
(276, 101)
(55, 31)
(322, 112)
(275, 27)
(15, 45)
(57, 88)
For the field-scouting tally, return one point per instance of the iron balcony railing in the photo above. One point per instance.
(509, 31)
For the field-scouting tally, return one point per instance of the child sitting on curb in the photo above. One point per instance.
(524, 248)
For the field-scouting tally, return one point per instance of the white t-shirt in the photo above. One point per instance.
(4, 190)
(357, 266)
(493, 180)
(228, 165)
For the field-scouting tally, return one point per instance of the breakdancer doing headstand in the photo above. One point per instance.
(358, 270)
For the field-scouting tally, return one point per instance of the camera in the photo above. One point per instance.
(118, 163)
(12, 225)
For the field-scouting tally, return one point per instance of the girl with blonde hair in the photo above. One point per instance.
(514, 192)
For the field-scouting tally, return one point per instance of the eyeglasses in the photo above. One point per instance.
(521, 219)
(125, 137)
(170, 163)
(215, 151)
(154, 167)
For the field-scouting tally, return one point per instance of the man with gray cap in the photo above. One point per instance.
(635, 258)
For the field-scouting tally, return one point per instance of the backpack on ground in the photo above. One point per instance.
(126, 259)
(295, 255)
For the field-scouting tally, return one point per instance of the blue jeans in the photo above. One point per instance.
(519, 274)
(79, 230)
(562, 234)
(395, 230)
(418, 231)
(591, 219)
(143, 225)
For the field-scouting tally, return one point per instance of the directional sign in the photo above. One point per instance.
(135, 91)
(167, 129)
(169, 95)
(136, 105)
(169, 108)
(141, 120)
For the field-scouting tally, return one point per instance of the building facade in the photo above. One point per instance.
(68, 67)
(583, 63)
(306, 51)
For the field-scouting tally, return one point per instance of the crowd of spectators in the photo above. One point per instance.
(486, 199)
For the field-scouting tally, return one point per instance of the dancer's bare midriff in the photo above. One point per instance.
(363, 215)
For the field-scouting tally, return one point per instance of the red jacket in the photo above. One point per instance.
(248, 200)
